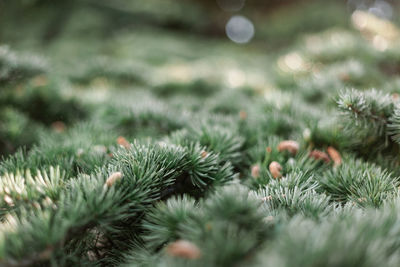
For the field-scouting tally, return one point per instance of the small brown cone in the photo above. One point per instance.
(46, 254)
(58, 126)
(39, 81)
(255, 171)
(289, 145)
(335, 156)
(243, 115)
(123, 142)
(344, 77)
(275, 169)
(183, 249)
(319, 155)
(267, 198)
(113, 178)
(203, 154)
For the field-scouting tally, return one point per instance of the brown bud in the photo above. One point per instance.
(46, 254)
(255, 171)
(335, 156)
(39, 81)
(58, 126)
(116, 176)
(47, 201)
(268, 149)
(204, 154)
(36, 205)
(123, 142)
(243, 115)
(362, 199)
(319, 155)
(183, 249)
(344, 77)
(267, 198)
(289, 145)
(269, 219)
(275, 169)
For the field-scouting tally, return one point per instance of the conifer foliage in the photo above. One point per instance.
(153, 147)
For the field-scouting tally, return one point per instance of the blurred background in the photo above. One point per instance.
(156, 32)
(268, 22)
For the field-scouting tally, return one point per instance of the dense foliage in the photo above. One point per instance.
(128, 141)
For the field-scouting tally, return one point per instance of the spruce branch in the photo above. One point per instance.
(369, 109)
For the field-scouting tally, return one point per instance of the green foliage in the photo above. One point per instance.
(369, 116)
(230, 221)
(360, 182)
(44, 103)
(371, 108)
(15, 67)
(327, 243)
(164, 223)
(16, 130)
(134, 135)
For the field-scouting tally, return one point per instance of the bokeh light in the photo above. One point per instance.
(379, 8)
(239, 29)
(292, 62)
(382, 9)
(381, 32)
